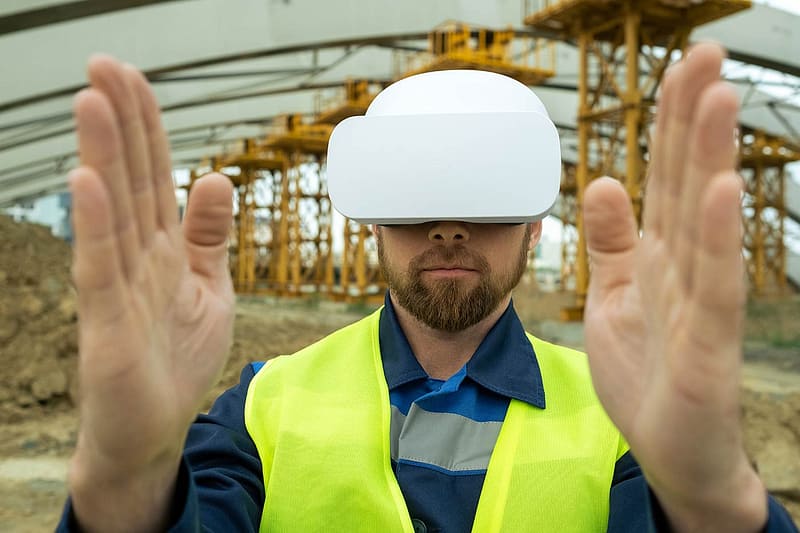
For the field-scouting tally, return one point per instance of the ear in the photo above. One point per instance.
(536, 234)
(374, 228)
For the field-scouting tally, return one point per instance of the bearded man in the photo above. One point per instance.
(438, 412)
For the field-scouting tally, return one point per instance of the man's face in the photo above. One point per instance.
(451, 275)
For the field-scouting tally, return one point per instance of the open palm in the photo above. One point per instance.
(664, 312)
(155, 299)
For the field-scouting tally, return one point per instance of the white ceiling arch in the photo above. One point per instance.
(223, 69)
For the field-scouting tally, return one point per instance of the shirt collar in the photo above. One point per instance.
(504, 362)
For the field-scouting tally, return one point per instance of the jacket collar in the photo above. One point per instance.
(504, 362)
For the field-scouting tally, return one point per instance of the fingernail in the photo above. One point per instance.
(72, 183)
(81, 93)
(72, 177)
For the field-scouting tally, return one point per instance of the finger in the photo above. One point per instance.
(161, 168)
(717, 298)
(209, 215)
(97, 267)
(712, 151)
(100, 147)
(611, 234)
(656, 200)
(115, 81)
(700, 68)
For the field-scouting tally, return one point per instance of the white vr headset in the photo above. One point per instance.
(448, 145)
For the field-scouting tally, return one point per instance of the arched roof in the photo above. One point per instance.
(223, 69)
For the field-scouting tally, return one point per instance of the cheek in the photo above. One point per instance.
(506, 257)
(403, 245)
(395, 257)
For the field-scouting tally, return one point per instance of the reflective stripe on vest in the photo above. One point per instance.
(321, 420)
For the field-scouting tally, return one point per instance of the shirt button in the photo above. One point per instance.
(419, 526)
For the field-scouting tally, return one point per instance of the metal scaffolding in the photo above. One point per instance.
(254, 173)
(455, 45)
(359, 276)
(282, 237)
(297, 256)
(567, 209)
(283, 242)
(763, 161)
(625, 46)
(304, 238)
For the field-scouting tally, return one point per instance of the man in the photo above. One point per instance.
(355, 432)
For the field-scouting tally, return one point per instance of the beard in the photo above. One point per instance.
(452, 305)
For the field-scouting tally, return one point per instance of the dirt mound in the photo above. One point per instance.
(267, 327)
(38, 334)
(772, 441)
(38, 342)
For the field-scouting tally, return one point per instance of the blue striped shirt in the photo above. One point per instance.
(443, 432)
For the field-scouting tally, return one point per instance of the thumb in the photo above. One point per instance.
(209, 214)
(611, 233)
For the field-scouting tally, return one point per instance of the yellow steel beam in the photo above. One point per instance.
(582, 175)
(568, 209)
(661, 16)
(456, 45)
(615, 102)
(351, 100)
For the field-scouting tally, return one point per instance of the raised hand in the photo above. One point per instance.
(664, 313)
(155, 303)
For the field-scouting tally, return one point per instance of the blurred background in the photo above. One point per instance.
(253, 88)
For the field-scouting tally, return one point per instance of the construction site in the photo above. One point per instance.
(253, 90)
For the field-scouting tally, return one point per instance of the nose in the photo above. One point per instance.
(448, 232)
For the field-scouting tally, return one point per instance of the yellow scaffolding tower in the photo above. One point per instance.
(567, 209)
(303, 239)
(292, 254)
(360, 278)
(357, 278)
(616, 39)
(455, 45)
(351, 100)
(763, 161)
(250, 253)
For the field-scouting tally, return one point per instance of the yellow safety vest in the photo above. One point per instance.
(320, 420)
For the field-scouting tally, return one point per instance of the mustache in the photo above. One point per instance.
(456, 255)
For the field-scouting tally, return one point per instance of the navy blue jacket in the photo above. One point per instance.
(220, 484)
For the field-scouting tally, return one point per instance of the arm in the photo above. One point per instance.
(219, 486)
(226, 469)
(634, 507)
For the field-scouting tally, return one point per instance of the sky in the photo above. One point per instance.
(788, 5)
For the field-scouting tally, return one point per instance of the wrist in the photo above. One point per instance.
(122, 499)
(739, 506)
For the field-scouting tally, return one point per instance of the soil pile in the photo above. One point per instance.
(772, 441)
(38, 326)
(267, 327)
(38, 344)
